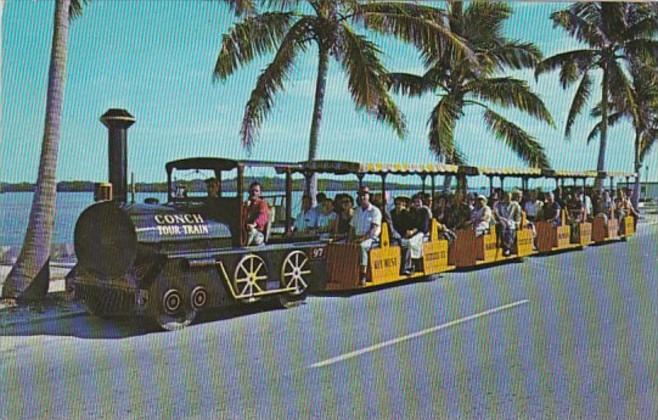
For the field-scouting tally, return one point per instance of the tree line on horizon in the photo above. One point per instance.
(465, 55)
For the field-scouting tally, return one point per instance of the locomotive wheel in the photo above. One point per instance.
(293, 270)
(176, 322)
(250, 271)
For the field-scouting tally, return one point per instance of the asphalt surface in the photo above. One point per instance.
(569, 335)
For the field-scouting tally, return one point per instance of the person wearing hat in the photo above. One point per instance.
(212, 186)
(481, 216)
(366, 225)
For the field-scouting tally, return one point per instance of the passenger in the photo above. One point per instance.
(327, 219)
(624, 207)
(416, 234)
(345, 210)
(551, 210)
(481, 216)
(317, 208)
(212, 186)
(587, 202)
(306, 220)
(459, 214)
(257, 216)
(575, 215)
(366, 227)
(401, 218)
(508, 218)
(532, 206)
(439, 210)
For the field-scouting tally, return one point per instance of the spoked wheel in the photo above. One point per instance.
(250, 277)
(293, 273)
(294, 268)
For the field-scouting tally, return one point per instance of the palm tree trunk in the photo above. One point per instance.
(320, 85)
(600, 165)
(637, 165)
(29, 278)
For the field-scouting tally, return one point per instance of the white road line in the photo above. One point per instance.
(375, 347)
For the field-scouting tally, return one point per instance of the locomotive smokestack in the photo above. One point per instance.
(117, 122)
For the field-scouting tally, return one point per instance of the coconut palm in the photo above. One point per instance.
(29, 277)
(329, 25)
(641, 108)
(460, 83)
(613, 34)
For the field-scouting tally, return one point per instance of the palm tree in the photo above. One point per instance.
(29, 277)
(327, 25)
(460, 83)
(613, 33)
(641, 108)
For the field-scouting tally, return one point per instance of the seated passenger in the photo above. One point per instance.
(481, 216)
(344, 213)
(212, 186)
(532, 206)
(386, 217)
(366, 225)
(258, 215)
(551, 210)
(575, 215)
(508, 218)
(401, 218)
(306, 220)
(416, 233)
(327, 218)
(458, 216)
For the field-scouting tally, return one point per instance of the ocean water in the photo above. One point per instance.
(15, 211)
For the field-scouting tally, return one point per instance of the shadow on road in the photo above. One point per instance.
(83, 325)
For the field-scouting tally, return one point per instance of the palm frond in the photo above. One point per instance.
(523, 144)
(579, 100)
(596, 130)
(584, 59)
(442, 122)
(390, 114)
(241, 7)
(647, 143)
(510, 92)
(251, 38)
(367, 79)
(644, 49)
(76, 7)
(421, 26)
(364, 70)
(408, 84)
(622, 93)
(271, 81)
(282, 5)
(515, 55)
(578, 26)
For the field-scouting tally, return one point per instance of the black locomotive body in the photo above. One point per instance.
(169, 261)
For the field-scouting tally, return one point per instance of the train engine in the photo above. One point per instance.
(167, 262)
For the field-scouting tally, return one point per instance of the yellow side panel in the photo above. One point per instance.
(585, 233)
(435, 256)
(629, 226)
(563, 236)
(384, 264)
(613, 229)
(490, 249)
(524, 241)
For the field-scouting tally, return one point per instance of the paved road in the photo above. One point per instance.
(574, 334)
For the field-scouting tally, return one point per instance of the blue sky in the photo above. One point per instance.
(155, 58)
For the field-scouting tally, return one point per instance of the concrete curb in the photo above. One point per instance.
(56, 307)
